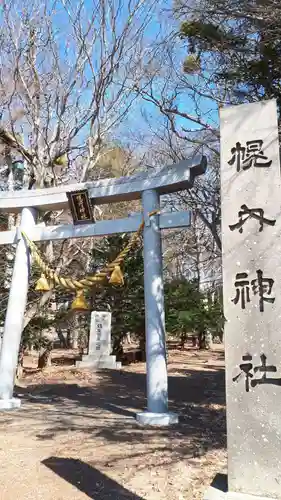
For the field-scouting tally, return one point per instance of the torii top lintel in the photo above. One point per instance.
(170, 179)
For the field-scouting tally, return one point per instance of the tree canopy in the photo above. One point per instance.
(238, 42)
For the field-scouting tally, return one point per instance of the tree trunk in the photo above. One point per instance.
(208, 340)
(117, 348)
(73, 331)
(83, 341)
(62, 339)
(194, 340)
(202, 340)
(19, 373)
(128, 337)
(142, 347)
(68, 339)
(183, 339)
(220, 335)
(44, 359)
(205, 340)
(74, 339)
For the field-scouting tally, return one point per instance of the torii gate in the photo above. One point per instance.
(148, 186)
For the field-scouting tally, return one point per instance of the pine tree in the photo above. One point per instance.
(237, 43)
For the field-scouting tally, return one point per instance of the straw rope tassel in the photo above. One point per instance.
(79, 303)
(88, 281)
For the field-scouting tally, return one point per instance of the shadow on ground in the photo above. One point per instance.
(89, 480)
(107, 410)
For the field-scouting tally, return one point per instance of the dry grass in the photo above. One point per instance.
(75, 436)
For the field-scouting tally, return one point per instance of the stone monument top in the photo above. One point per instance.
(99, 348)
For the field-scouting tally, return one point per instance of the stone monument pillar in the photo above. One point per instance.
(251, 232)
(99, 350)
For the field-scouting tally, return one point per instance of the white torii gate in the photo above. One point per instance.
(148, 186)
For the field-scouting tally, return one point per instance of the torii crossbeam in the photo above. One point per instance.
(147, 186)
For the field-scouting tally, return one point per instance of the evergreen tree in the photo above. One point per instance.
(126, 302)
(237, 42)
(188, 312)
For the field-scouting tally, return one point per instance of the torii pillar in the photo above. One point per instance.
(15, 317)
(156, 360)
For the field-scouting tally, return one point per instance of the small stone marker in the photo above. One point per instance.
(251, 231)
(100, 333)
(99, 343)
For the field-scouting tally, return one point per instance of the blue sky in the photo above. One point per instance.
(160, 26)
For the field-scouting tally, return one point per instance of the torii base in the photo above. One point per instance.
(10, 404)
(157, 419)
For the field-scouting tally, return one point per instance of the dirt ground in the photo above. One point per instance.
(75, 436)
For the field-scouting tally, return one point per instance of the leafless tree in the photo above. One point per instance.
(68, 71)
(186, 105)
(193, 252)
(191, 255)
(66, 79)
